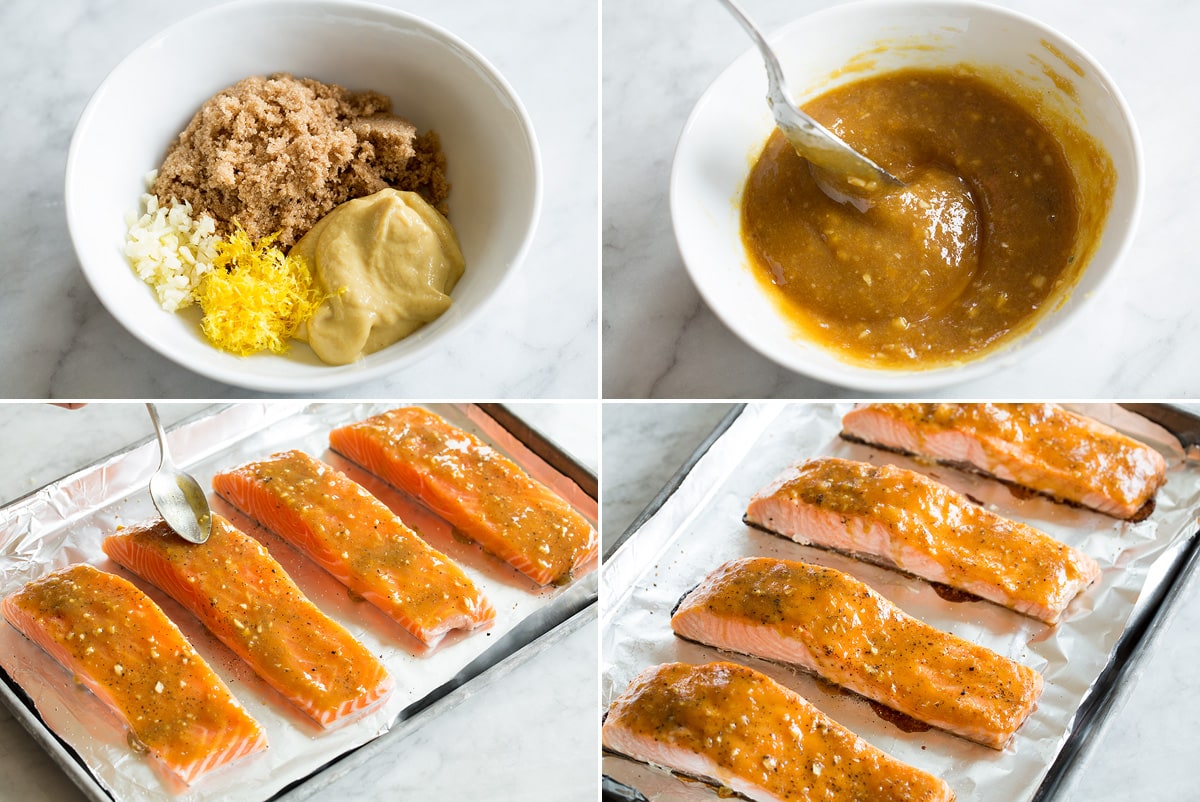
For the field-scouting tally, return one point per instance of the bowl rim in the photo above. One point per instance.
(329, 376)
(883, 380)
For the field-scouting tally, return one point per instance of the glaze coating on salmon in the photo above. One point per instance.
(482, 493)
(844, 632)
(904, 520)
(244, 597)
(122, 647)
(1041, 447)
(355, 537)
(739, 729)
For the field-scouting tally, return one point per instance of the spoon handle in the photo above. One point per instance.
(776, 83)
(810, 139)
(162, 435)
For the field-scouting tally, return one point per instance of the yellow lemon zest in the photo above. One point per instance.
(255, 297)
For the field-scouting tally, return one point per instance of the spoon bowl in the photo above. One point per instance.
(177, 496)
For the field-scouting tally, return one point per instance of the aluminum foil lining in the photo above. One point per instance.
(700, 526)
(64, 523)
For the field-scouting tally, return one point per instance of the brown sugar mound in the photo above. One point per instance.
(278, 153)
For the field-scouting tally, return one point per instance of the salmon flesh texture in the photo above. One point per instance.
(844, 632)
(1041, 447)
(124, 649)
(355, 537)
(244, 597)
(736, 728)
(907, 521)
(479, 491)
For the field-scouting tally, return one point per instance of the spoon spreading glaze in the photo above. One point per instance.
(842, 172)
(177, 496)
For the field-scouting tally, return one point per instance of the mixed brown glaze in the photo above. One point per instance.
(245, 598)
(987, 235)
(359, 540)
(120, 645)
(908, 521)
(485, 495)
(1043, 447)
(740, 729)
(843, 631)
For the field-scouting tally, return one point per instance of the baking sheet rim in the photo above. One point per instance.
(563, 615)
(1181, 559)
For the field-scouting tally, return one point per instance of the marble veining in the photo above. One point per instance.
(644, 446)
(60, 342)
(523, 735)
(662, 341)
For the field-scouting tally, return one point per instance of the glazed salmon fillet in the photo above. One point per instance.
(1041, 447)
(903, 520)
(355, 537)
(124, 649)
(244, 597)
(483, 494)
(736, 728)
(844, 632)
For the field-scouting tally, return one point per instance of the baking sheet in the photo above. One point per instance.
(64, 523)
(699, 526)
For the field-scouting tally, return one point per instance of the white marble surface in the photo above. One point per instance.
(529, 734)
(644, 446)
(59, 342)
(1146, 748)
(661, 340)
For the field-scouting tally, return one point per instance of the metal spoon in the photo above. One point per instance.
(848, 174)
(178, 497)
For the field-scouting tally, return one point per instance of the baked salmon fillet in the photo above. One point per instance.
(355, 537)
(736, 728)
(244, 597)
(1040, 447)
(903, 520)
(844, 632)
(482, 493)
(124, 649)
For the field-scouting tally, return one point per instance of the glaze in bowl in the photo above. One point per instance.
(731, 122)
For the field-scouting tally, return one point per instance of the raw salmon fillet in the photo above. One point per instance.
(844, 632)
(479, 491)
(736, 728)
(244, 597)
(903, 520)
(1041, 447)
(125, 650)
(355, 537)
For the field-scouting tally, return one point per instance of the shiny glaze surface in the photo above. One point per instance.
(854, 637)
(484, 494)
(984, 238)
(125, 649)
(973, 548)
(1053, 450)
(359, 540)
(751, 728)
(245, 598)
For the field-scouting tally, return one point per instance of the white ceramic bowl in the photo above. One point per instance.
(730, 123)
(433, 78)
